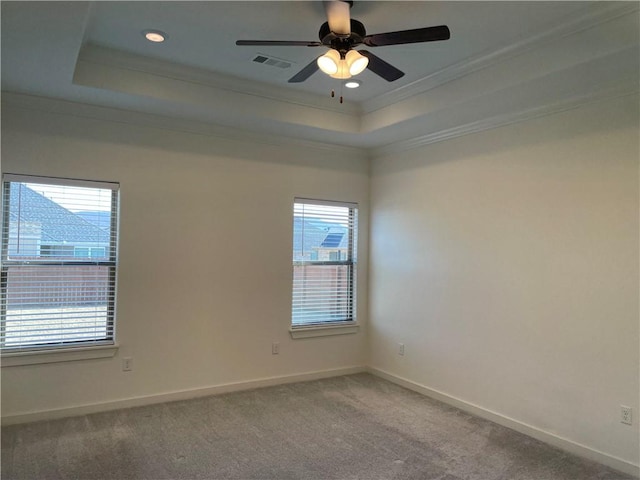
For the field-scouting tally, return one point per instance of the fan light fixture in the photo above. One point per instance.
(335, 66)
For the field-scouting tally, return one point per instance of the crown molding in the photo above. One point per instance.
(605, 12)
(114, 115)
(624, 89)
(148, 120)
(109, 114)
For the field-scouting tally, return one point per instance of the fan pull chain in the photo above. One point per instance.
(333, 94)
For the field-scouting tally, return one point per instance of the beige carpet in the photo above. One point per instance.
(352, 427)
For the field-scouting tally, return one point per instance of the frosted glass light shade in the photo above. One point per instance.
(356, 61)
(329, 62)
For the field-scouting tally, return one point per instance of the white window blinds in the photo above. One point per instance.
(59, 259)
(324, 262)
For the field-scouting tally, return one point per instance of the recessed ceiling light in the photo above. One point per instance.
(155, 36)
(352, 83)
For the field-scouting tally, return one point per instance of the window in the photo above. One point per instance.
(324, 263)
(58, 276)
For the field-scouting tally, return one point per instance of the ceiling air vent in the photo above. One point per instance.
(274, 62)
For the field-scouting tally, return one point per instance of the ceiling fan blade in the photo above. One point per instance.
(418, 35)
(338, 16)
(305, 73)
(382, 68)
(278, 43)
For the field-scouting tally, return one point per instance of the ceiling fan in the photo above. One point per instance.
(341, 34)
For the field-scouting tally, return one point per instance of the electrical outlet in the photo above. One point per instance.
(625, 415)
(275, 348)
(127, 364)
(401, 349)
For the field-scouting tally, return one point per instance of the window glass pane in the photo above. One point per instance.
(51, 304)
(52, 220)
(321, 293)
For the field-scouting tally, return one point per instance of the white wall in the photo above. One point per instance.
(204, 284)
(507, 263)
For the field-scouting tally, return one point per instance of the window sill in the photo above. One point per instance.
(53, 356)
(323, 330)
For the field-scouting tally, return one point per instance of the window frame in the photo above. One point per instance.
(27, 354)
(330, 327)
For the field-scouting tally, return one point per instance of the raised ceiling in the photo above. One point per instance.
(505, 61)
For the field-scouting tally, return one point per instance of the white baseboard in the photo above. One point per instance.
(175, 396)
(550, 438)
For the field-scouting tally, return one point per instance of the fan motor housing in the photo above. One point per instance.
(342, 42)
